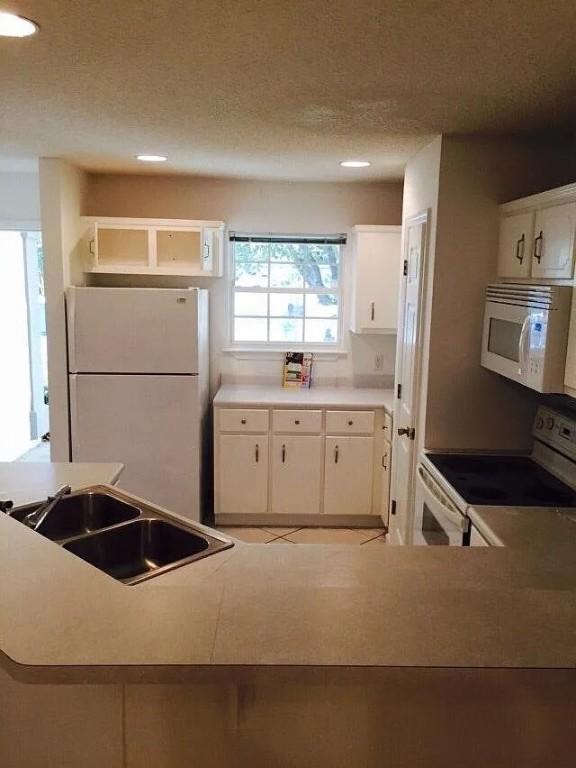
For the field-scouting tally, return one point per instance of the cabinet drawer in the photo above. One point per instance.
(349, 422)
(243, 420)
(297, 421)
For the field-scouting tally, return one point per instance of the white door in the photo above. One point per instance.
(385, 490)
(553, 247)
(348, 475)
(133, 330)
(242, 475)
(408, 357)
(148, 423)
(296, 474)
(515, 245)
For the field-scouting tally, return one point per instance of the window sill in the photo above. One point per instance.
(268, 353)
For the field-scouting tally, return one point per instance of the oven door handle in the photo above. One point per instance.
(522, 345)
(452, 514)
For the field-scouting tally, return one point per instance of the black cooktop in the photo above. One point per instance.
(502, 480)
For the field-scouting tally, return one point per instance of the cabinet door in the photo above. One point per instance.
(212, 245)
(515, 245)
(243, 475)
(296, 474)
(553, 245)
(385, 479)
(377, 280)
(348, 475)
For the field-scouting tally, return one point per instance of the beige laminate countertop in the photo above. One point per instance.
(315, 397)
(306, 607)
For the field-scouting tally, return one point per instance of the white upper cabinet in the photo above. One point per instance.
(515, 246)
(375, 279)
(156, 246)
(537, 236)
(553, 252)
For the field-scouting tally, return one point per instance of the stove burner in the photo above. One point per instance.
(487, 493)
(510, 480)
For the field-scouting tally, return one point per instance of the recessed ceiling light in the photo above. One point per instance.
(16, 26)
(355, 163)
(151, 158)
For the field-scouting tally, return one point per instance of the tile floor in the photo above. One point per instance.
(271, 535)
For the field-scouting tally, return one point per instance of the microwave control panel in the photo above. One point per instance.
(556, 430)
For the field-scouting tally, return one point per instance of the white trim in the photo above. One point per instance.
(272, 352)
(145, 222)
(565, 194)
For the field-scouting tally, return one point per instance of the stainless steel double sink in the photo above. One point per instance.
(129, 540)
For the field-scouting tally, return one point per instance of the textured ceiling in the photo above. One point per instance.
(281, 89)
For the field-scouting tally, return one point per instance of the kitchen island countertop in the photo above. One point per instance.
(314, 609)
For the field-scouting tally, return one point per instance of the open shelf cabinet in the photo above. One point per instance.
(156, 246)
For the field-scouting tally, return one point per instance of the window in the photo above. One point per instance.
(286, 289)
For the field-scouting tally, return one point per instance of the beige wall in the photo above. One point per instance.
(61, 192)
(254, 206)
(258, 206)
(462, 180)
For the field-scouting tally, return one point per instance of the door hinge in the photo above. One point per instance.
(393, 507)
(405, 267)
(399, 391)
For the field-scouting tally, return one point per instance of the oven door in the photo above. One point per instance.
(506, 340)
(437, 521)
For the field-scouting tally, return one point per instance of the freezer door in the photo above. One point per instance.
(132, 330)
(149, 423)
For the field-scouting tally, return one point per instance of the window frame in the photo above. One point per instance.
(282, 346)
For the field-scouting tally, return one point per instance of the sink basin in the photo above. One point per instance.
(130, 540)
(141, 549)
(82, 513)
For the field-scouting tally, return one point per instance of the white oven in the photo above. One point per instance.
(437, 520)
(526, 333)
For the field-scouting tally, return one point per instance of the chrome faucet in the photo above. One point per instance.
(35, 519)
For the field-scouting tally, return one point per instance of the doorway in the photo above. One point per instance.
(24, 373)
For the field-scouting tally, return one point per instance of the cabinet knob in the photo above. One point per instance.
(296, 421)
(372, 310)
(242, 421)
(350, 423)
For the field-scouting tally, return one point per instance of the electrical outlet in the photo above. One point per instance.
(378, 362)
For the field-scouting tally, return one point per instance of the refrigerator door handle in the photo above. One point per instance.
(73, 394)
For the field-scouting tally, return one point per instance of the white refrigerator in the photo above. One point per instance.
(138, 378)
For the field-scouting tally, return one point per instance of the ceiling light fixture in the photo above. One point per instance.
(151, 158)
(355, 163)
(12, 25)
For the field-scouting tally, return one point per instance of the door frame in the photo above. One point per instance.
(423, 217)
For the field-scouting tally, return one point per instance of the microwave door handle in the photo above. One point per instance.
(454, 516)
(522, 355)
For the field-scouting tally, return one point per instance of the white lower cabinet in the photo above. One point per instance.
(243, 475)
(348, 475)
(301, 466)
(296, 474)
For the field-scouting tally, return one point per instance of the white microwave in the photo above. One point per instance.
(526, 333)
